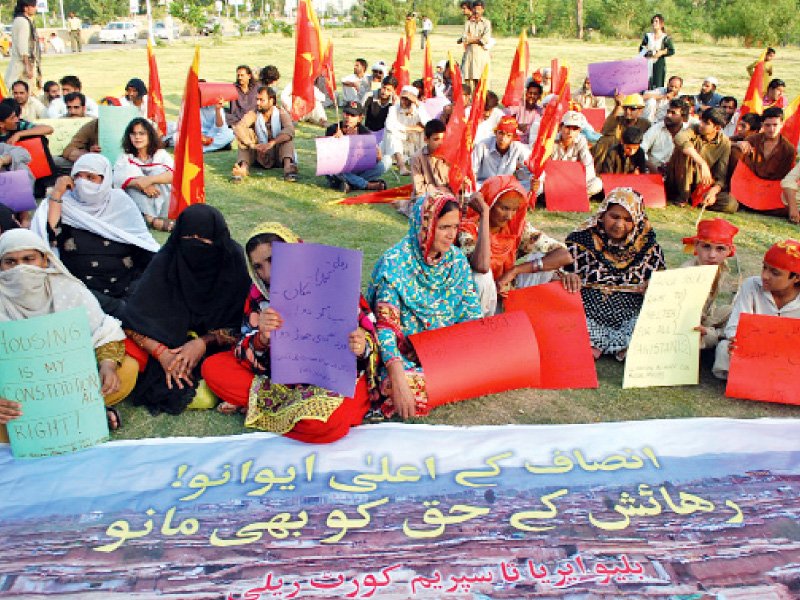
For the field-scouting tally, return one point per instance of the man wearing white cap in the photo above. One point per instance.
(708, 97)
(405, 124)
(571, 145)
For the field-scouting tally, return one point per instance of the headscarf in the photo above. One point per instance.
(641, 238)
(422, 282)
(138, 85)
(27, 291)
(190, 285)
(504, 242)
(784, 255)
(98, 208)
(286, 234)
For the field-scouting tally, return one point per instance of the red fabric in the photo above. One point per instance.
(784, 255)
(40, 164)
(307, 60)
(714, 231)
(188, 186)
(400, 66)
(515, 88)
(548, 128)
(135, 352)
(212, 92)
(504, 243)
(155, 99)
(230, 380)
(454, 135)
(752, 98)
(791, 126)
(427, 72)
(327, 70)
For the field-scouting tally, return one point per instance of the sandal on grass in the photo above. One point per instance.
(290, 177)
(226, 408)
(113, 418)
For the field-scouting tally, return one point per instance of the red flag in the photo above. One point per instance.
(548, 127)
(409, 42)
(307, 60)
(155, 99)
(515, 88)
(400, 66)
(475, 117)
(454, 135)
(791, 126)
(427, 72)
(188, 186)
(752, 99)
(327, 71)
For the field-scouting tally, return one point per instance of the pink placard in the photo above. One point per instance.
(346, 154)
(649, 185)
(16, 191)
(565, 186)
(619, 77)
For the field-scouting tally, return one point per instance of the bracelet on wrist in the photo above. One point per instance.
(57, 200)
(158, 351)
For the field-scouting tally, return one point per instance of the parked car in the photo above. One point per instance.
(213, 25)
(161, 32)
(253, 26)
(119, 32)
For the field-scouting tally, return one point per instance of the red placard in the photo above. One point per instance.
(559, 322)
(754, 192)
(595, 116)
(487, 356)
(649, 185)
(41, 161)
(211, 93)
(766, 363)
(565, 186)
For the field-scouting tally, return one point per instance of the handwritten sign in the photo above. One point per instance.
(474, 358)
(619, 77)
(649, 185)
(16, 190)
(315, 289)
(766, 363)
(435, 105)
(211, 92)
(559, 322)
(346, 154)
(48, 365)
(665, 348)
(565, 186)
(111, 127)
(595, 116)
(754, 192)
(63, 132)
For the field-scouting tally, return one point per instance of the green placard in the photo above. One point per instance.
(48, 365)
(111, 126)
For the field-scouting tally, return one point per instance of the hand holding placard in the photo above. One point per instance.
(619, 77)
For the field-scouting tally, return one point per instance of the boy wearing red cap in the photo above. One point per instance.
(776, 293)
(713, 245)
(500, 155)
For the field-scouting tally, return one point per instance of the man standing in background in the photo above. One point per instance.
(74, 27)
(427, 27)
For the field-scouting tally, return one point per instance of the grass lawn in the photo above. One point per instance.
(305, 207)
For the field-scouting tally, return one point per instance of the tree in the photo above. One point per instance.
(579, 17)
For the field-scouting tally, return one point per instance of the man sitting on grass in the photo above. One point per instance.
(361, 180)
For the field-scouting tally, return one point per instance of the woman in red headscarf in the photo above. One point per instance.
(504, 249)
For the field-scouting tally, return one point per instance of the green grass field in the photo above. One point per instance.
(305, 207)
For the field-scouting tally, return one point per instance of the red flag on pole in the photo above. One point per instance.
(753, 101)
(155, 99)
(327, 71)
(515, 88)
(307, 60)
(427, 72)
(555, 74)
(456, 131)
(409, 42)
(400, 66)
(188, 186)
(791, 126)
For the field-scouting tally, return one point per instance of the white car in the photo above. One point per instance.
(161, 32)
(119, 32)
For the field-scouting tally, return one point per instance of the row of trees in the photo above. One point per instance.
(757, 22)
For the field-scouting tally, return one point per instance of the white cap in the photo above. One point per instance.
(712, 80)
(409, 89)
(546, 72)
(441, 64)
(572, 118)
(379, 66)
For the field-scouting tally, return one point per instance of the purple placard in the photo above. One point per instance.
(315, 289)
(16, 190)
(434, 106)
(346, 154)
(621, 76)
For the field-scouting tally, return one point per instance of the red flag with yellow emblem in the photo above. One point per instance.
(188, 185)
(753, 101)
(327, 71)
(427, 72)
(791, 126)
(155, 99)
(548, 127)
(400, 66)
(515, 88)
(307, 60)
(451, 150)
